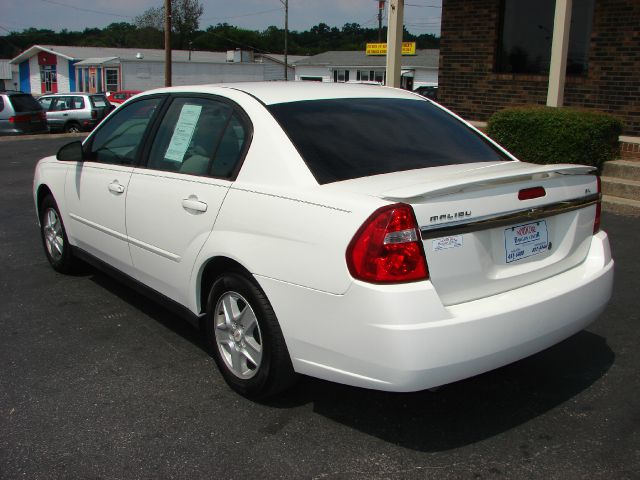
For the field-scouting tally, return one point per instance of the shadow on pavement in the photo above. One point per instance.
(157, 312)
(458, 414)
(468, 411)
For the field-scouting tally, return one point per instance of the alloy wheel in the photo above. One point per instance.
(53, 234)
(238, 335)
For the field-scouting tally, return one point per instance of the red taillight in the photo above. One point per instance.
(530, 193)
(20, 119)
(596, 221)
(387, 248)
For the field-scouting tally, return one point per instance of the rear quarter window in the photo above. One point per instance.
(24, 103)
(98, 101)
(342, 139)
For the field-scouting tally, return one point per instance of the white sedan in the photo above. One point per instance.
(361, 235)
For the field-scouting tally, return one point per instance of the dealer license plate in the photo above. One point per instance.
(523, 241)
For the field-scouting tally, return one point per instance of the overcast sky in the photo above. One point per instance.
(421, 16)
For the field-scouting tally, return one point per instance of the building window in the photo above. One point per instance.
(371, 76)
(527, 33)
(111, 79)
(341, 76)
(310, 79)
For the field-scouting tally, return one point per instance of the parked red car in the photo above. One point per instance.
(122, 95)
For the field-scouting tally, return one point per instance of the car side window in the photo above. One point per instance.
(230, 149)
(77, 103)
(198, 137)
(45, 102)
(98, 100)
(1, 104)
(59, 104)
(118, 140)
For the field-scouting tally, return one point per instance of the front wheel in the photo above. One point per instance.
(245, 339)
(54, 237)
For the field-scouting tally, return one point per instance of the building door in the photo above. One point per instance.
(93, 74)
(48, 70)
(49, 80)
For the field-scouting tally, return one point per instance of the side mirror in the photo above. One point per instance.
(71, 152)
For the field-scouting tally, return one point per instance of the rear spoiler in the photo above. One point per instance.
(489, 176)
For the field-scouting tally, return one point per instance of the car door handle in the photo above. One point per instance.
(115, 187)
(192, 203)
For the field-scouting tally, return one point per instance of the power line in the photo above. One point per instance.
(86, 9)
(3, 28)
(243, 15)
(238, 43)
(370, 21)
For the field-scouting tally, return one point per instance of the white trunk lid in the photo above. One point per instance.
(479, 238)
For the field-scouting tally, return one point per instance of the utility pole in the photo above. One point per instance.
(286, 34)
(394, 42)
(167, 43)
(380, 10)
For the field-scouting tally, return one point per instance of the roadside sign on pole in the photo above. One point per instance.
(408, 48)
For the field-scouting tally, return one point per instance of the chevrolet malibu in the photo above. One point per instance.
(362, 235)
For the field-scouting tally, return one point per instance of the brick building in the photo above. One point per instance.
(498, 53)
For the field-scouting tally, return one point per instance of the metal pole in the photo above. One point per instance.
(394, 42)
(559, 49)
(167, 43)
(286, 34)
(380, 10)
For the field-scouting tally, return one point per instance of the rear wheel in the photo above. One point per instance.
(54, 237)
(245, 339)
(72, 127)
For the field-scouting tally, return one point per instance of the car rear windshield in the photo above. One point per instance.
(24, 103)
(98, 100)
(341, 139)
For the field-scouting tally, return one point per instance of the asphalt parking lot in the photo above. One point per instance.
(96, 382)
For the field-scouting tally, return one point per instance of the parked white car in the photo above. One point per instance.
(361, 235)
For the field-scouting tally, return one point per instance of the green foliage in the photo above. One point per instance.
(185, 19)
(146, 32)
(556, 135)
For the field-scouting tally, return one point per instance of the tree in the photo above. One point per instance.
(151, 18)
(185, 20)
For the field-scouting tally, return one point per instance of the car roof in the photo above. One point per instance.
(271, 93)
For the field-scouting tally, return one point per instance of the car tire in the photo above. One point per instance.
(245, 339)
(54, 237)
(72, 127)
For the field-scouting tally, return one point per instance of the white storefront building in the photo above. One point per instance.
(418, 70)
(54, 68)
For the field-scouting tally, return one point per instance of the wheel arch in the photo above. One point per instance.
(41, 193)
(211, 270)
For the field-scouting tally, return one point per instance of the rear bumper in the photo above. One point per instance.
(401, 338)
